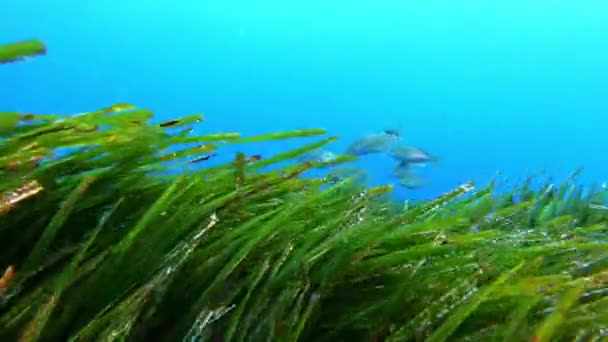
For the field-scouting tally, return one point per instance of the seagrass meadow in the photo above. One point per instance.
(105, 238)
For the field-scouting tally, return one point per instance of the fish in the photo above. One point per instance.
(203, 158)
(169, 123)
(320, 156)
(379, 142)
(344, 173)
(408, 178)
(326, 157)
(392, 132)
(253, 158)
(409, 155)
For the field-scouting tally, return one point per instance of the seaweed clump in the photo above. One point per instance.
(106, 237)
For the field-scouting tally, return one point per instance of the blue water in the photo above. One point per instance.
(512, 86)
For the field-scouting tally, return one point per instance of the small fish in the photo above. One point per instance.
(327, 157)
(408, 178)
(392, 132)
(321, 156)
(169, 123)
(598, 207)
(408, 155)
(341, 174)
(253, 158)
(374, 143)
(203, 158)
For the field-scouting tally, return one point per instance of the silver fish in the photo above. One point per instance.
(408, 155)
(341, 174)
(374, 143)
(408, 178)
(322, 156)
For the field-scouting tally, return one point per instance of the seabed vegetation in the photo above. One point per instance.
(104, 237)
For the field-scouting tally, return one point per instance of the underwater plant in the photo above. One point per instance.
(116, 240)
(19, 51)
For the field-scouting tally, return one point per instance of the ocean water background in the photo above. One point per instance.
(511, 86)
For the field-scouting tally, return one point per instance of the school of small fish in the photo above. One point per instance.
(385, 142)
